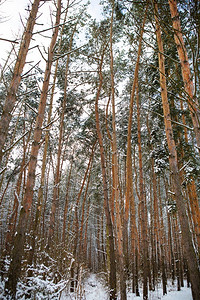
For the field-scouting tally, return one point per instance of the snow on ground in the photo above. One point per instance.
(172, 294)
(184, 294)
(94, 288)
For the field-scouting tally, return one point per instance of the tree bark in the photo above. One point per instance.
(192, 193)
(173, 161)
(144, 233)
(13, 217)
(129, 176)
(55, 200)
(15, 266)
(66, 204)
(16, 78)
(185, 68)
(112, 277)
(83, 217)
(115, 189)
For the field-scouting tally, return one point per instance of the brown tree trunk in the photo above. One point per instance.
(46, 144)
(76, 219)
(66, 204)
(155, 218)
(83, 217)
(112, 278)
(176, 254)
(173, 161)
(86, 233)
(42, 180)
(129, 176)
(55, 200)
(111, 173)
(134, 242)
(115, 190)
(163, 242)
(194, 205)
(192, 193)
(144, 233)
(44, 159)
(185, 68)
(15, 266)
(8, 152)
(13, 217)
(171, 259)
(16, 78)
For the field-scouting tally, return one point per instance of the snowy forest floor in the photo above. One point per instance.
(93, 288)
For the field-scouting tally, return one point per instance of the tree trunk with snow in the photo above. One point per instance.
(112, 277)
(16, 78)
(173, 161)
(185, 68)
(18, 250)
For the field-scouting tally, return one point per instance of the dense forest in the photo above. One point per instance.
(100, 149)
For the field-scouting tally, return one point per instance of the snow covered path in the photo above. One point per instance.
(94, 289)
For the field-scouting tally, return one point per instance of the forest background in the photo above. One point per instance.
(99, 147)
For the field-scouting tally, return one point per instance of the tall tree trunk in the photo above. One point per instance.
(192, 193)
(16, 78)
(176, 256)
(144, 233)
(155, 217)
(76, 219)
(129, 176)
(194, 205)
(163, 242)
(6, 157)
(170, 240)
(111, 175)
(134, 242)
(112, 278)
(173, 161)
(13, 217)
(44, 159)
(116, 193)
(66, 203)
(15, 266)
(55, 200)
(83, 217)
(42, 179)
(185, 68)
(86, 232)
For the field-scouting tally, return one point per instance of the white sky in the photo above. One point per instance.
(10, 11)
(11, 25)
(13, 13)
(10, 21)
